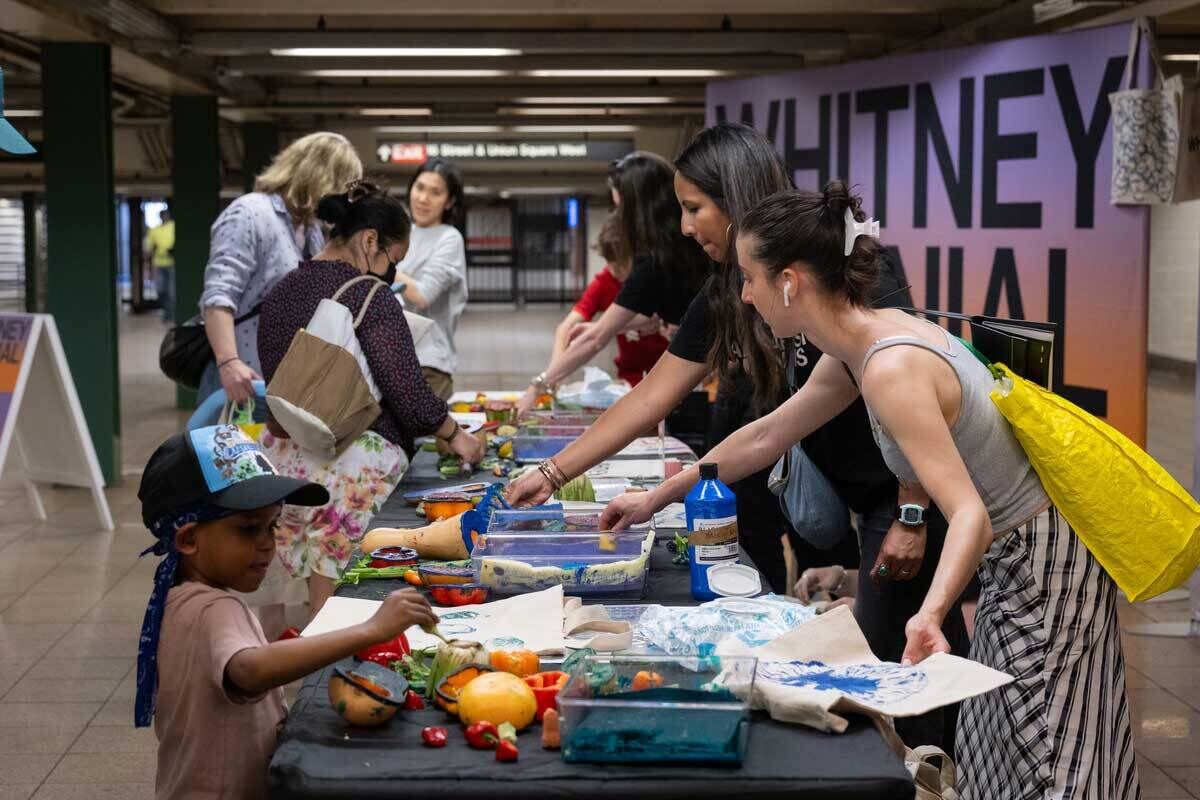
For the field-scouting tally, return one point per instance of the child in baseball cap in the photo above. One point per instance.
(206, 675)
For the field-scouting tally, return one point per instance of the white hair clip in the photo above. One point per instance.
(855, 229)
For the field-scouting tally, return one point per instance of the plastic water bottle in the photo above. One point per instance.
(711, 510)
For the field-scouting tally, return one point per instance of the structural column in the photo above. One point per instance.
(260, 143)
(196, 196)
(81, 232)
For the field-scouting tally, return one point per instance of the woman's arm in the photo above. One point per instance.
(445, 267)
(232, 262)
(562, 334)
(902, 391)
(827, 393)
(648, 403)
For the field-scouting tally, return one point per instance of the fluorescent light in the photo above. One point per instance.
(402, 52)
(396, 112)
(22, 112)
(1182, 57)
(625, 73)
(406, 73)
(575, 128)
(608, 101)
(440, 129)
(537, 190)
(561, 111)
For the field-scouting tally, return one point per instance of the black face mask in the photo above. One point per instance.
(389, 274)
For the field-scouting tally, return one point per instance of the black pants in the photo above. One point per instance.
(882, 610)
(761, 522)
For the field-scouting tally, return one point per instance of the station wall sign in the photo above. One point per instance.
(412, 153)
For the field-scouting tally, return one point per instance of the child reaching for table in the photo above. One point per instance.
(206, 675)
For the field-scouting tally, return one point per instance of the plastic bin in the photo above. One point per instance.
(532, 449)
(684, 713)
(582, 563)
(542, 520)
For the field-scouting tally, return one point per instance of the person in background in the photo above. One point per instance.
(637, 351)
(257, 240)
(432, 278)
(369, 236)
(206, 676)
(159, 248)
(667, 270)
(1047, 611)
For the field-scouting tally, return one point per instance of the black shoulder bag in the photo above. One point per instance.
(185, 351)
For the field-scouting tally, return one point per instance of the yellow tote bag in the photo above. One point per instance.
(1139, 523)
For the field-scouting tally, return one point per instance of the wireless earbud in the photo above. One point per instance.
(787, 287)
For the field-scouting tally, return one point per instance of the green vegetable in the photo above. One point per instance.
(450, 656)
(507, 732)
(680, 556)
(577, 489)
(415, 668)
(362, 571)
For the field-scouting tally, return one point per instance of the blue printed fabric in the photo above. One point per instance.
(1145, 145)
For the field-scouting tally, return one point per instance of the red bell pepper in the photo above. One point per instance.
(546, 686)
(384, 653)
(506, 752)
(482, 735)
(435, 737)
(413, 701)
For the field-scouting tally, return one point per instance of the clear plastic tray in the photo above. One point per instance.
(532, 449)
(537, 429)
(596, 562)
(542, 520)
(680, 712)
(560, 417)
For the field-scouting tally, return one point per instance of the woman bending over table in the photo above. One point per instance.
(1047, 611)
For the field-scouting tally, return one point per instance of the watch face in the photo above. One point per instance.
(911, 515)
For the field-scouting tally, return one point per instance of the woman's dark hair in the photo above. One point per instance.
(795, 226)
(650, 217)
(737, 167)
(455, 214)
(364, 206)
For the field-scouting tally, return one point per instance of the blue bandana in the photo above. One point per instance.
(164, 530)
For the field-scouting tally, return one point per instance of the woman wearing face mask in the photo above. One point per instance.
(667, 270)
(1047, 611)
(723, 173)
(369, 236)
(432, 278)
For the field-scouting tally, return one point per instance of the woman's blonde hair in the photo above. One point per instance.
(310, 168)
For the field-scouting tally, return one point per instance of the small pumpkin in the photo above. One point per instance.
(366, 694)
(446, 693)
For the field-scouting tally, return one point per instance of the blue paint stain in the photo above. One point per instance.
(459, 615)
(871, 683)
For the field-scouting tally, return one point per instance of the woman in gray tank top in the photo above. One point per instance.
(1047, 610)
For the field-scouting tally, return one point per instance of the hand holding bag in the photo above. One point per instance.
(806, 496)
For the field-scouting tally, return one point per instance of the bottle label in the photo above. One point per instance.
(714, 540)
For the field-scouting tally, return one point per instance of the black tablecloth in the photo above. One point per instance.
(320, 757)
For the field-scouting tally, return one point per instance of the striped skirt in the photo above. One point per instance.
(1047, 615)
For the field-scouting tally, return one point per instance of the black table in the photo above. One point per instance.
(320, 757)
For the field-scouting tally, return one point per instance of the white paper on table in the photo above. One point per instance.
(607, 489)
(648, 446)
(672, 517)
(632, 469)
(536, 619)
(469, 420)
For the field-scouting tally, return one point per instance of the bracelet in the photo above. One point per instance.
(552, 473)
(539, 383)
(453, 435)
(228, 361)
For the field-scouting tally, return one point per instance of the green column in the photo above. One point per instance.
(260, 143)
(196, 200)
(81, 232)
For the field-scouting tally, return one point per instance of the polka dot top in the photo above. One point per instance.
(410, 408)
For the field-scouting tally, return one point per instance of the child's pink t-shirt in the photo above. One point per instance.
(213, 741)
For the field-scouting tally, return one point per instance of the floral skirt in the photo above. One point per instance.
(319, 540)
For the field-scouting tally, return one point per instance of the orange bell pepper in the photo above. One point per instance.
(517, 662)
(646, 680)
(546, 686)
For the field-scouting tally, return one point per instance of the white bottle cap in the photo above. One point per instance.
(734, 580)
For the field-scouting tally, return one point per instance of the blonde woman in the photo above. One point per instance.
(257, 240)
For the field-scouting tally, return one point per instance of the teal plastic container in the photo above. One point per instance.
(711, 511)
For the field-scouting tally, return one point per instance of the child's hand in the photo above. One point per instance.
(400, 611)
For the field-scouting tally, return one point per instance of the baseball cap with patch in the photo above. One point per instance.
(222, 465)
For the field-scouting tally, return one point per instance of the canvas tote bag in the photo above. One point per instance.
(323, 394)
(1146, 129)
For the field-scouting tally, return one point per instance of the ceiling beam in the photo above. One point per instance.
(539, 42)
(414, 9)
(1011, 19)
(388, 95)
(273, 65)
(1151, 8)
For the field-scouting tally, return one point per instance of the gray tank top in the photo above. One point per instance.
(999, 468)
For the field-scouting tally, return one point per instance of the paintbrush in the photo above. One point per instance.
(432, 630)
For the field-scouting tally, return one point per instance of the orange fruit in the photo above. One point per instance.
(497, 697)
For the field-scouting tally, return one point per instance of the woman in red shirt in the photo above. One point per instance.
(636, 350)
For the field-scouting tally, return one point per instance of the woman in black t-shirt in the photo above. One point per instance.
(667, 270)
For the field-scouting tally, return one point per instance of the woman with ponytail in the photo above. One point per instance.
(369, 236)
(1047, 610)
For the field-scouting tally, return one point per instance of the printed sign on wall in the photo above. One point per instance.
(989, 169)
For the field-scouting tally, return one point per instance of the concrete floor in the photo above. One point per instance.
(72, 598)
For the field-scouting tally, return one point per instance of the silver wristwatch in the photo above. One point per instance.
(910, 515)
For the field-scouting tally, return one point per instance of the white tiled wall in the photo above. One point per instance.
(1174, 280)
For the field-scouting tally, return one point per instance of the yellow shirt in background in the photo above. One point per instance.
(160, 242)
